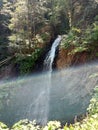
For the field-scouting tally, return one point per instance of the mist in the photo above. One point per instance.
(60, 95)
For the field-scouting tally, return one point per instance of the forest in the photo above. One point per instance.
(27, 29)
(43, 42)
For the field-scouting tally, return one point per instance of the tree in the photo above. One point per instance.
(5, 7)
(57, 16)
(25, 18)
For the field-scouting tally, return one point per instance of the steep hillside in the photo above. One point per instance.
(80, 45)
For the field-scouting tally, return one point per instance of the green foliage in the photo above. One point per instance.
(67, 40)
(78, 49)
(96, 18)
(94, 75)
(52, 125)
(93, 107)
(45, 36)
(91, 33)
(26, 17)
(81, 40)
(27, 62)
(3, 127)
(57, 16)
(94, 32)
(73, 40)
(25, 125)
(89, 123)
(12, 38)
(4, 30)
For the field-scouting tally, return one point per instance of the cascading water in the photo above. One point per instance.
(51, 54)
(48, 65)
(43, 98)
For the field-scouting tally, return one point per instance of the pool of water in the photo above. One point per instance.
(58, 96)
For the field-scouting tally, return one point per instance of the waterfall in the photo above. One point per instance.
(51, 54)
(43, 98)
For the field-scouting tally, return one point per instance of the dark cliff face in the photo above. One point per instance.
(84, 12)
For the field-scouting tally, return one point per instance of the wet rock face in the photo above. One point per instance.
(84, 12)
(65, 59)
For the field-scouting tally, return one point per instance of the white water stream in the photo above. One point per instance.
(48, 62)
(43, 98)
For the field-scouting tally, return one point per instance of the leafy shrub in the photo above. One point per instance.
(45, 36)
(90, 34)
(67, 40)
(93, 107)
(25, 125)
(78, 49)
(95, 32)
(96, 18)
(74, 40)
(3, 126)
(89, 123)
(52, 125)
(81, 40)
(27, 62)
